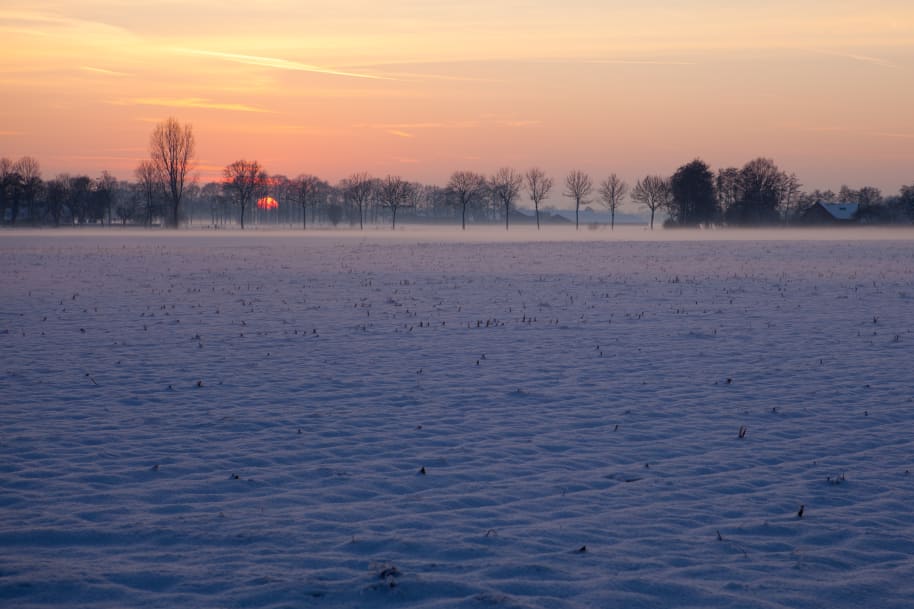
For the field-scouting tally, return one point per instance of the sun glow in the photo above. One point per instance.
(823, 88)
(267, 203)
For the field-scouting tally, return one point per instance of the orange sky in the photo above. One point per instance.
(423, 88)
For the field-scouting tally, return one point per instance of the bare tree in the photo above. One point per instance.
(56, 194)
(538, 187)
(10, 190)
(792, 192)
(868, 196)
(505, 185)
(727, 188)
(105, 190)
(762, 187)
(578, 187)
(306, 189)
(394, 193)
(172, 149)
(147, 177)
(468, 187)
(612, 191)
(6, 175)
(653, 192)
(905, 201)
(359, 189)
(694, 201)
(244, 181)
(29, 172)
(128, 203)
(79, 195)
(430, 198)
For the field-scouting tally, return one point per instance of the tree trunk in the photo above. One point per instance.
(464, 217)
(577, 208)
(394, 227)
(536, 205)
(612, 219)
(242, 217)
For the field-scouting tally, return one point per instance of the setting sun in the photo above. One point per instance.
(267, 203)
(456, 303)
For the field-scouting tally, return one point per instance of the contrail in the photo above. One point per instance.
(277, 63)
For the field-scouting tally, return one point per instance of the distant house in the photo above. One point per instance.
(830, 213)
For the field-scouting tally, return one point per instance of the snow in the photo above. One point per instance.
(227, 420)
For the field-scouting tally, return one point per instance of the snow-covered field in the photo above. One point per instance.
(410, 419)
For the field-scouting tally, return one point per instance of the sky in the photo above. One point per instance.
(422, 88)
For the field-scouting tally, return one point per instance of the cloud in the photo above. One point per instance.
(102, 71)
(396, 71)
(413, 69)
(209, 168)
(121, 161)
(634, 62)
(277, 63)
(49, 24)
(128, 149)
(825, 129)
(187, 102)
(860, 132)
(279, 129)
(411, 126)
(885, 63)
(419, 76)
(893, 135)
(405, 130)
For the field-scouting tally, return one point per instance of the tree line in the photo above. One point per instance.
(164, 193)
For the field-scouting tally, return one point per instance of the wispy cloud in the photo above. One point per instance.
(405, 130)
(825, 129)
(277, 63)
(893, 135)
(390, 71)
(128, 149)
(10, 133)
(903, 135)
(48, 24)
(885, 63)
(95, 157)
(209, 168)
(275, 129)
(186, 102)
(32, 16)
(418, 125)
(633, 62)
(414, 69)
(102, 71)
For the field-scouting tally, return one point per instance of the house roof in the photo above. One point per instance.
(840, 211)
